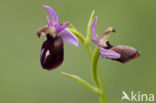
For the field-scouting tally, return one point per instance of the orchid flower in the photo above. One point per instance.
(118, 52)
(52, 51)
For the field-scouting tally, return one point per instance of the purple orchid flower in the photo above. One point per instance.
(52, 51)
(119, 53)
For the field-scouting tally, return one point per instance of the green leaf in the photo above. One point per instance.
(95, 58)
(88, 37)
(83, 82)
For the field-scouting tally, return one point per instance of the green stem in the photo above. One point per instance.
(99, 89)
(95, 58)
(101, 79)
(95, 75)
(102, 97)
(88, 49)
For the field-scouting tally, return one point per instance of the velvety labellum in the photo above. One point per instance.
(52, 53)
(127, 53)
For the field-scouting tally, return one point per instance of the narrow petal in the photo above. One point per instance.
(52, 14)
(49, 22)
(69, 37)
(41, 31)
(93, 29)
(61, 27)
(108, 54)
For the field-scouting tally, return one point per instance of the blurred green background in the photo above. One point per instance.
(22, 79)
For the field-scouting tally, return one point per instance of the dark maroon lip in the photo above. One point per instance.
(136, 56)
(54, 67)
(52, 53)
(127, 53)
